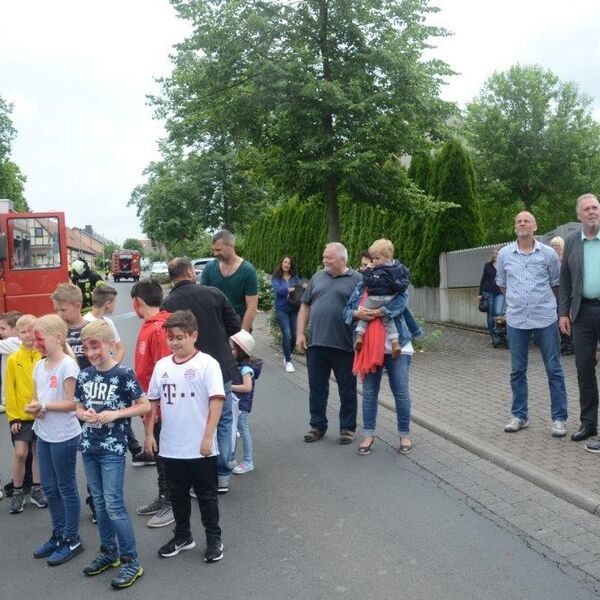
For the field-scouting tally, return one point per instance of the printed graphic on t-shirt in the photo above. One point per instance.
(107, 390)
(74, 340)
(185, 391)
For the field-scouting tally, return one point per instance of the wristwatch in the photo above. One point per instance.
(43, 408)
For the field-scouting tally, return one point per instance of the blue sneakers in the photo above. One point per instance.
(106, 558)
(47, 548)
(68, 549)
(130, 570)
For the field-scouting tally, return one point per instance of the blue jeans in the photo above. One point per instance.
(397, 372)
(495, 309)
(320, 361)
(287, 324)
(245, 437)
(225, 435)
(57, 462)
(548, 341)
(105, 473)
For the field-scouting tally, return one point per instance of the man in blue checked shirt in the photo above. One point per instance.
(528, 274)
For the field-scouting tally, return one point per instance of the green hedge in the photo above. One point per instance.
(300, 228)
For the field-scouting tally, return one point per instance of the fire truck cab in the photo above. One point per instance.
(33, 259)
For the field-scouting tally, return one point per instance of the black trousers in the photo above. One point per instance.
(586, 333)
(200, 474)
(163, 488)
(320, 361)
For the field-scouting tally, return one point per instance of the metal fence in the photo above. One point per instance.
(464, 267)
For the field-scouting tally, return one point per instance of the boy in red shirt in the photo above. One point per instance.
(151, 346)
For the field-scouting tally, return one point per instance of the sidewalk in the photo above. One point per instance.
(460, 389)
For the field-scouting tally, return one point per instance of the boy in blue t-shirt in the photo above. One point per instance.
(108, 395)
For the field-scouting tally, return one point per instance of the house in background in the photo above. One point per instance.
(86, 244)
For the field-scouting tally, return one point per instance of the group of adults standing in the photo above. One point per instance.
(332, 301)
(532, 277)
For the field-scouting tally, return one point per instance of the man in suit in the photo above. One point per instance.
(579, 310)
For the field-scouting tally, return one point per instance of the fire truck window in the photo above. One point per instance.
(35, 243)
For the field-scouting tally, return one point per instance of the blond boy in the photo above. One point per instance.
(383, 282)
(19, 393)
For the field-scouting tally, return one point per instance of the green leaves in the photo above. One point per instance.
(319, 93)
(535, 143)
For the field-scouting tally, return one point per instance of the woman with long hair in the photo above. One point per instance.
(488, 289)
(284, 282)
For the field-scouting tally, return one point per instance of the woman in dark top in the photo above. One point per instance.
(488, 289)
(283, 282)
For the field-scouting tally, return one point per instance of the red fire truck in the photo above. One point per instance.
(33, 259)
(126, 264)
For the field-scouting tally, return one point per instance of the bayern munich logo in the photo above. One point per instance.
(190, 374)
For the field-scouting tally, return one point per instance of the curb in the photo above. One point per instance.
(546, 480)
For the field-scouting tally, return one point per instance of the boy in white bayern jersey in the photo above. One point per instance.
(189, 386)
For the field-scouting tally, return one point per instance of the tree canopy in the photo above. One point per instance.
(535, 143)
(310, 99)
(133, 244)
(12, 180)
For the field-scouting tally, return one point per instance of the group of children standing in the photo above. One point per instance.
(66, 390)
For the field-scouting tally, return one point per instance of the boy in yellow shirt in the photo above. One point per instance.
(19, 393)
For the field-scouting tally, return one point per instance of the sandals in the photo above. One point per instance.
(405, 448)
(314, 435)
(365, 450)
(346, 437)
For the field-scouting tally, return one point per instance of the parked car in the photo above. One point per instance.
(199, 264)
(159, 268)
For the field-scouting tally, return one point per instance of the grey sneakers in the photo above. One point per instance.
(17, 502)
(163, 517)
(515, 424)
(152, 507)
(38, 498)
(559, 428)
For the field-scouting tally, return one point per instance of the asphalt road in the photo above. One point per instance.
(312, 521)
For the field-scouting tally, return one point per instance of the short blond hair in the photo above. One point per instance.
(26, 321)
(557, 241)
(383, 248)
(68, 293)
(98, 330)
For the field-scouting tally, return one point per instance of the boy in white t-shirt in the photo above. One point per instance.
(189, 386)
(9, 343)
(104, 299)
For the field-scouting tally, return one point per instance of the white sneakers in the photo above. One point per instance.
(289, 367)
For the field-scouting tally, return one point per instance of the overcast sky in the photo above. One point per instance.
(78, 73)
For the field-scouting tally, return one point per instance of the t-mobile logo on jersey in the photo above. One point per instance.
(170, 392)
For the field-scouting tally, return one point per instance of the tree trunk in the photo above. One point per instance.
(331, 200)
(333, 213)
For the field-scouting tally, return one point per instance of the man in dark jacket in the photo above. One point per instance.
(579, 311)
(217, 321)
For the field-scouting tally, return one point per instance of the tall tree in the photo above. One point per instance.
(324, 91)
(133, 244)
(12, 180)
(535, 142)
(452, 180)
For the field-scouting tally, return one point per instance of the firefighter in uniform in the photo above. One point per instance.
(86, 280)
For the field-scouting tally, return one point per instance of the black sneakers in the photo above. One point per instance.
(141, 459)
(214, 550)
(174, 547)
